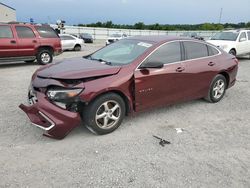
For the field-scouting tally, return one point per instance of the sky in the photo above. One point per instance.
(131, 11)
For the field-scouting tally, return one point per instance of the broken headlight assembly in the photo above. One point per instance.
(65, 98)
(61, 95)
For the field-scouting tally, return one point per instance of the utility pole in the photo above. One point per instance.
(221, 10)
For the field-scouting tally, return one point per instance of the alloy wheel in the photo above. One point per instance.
(108, 114)
(218, 89)
(45, 57)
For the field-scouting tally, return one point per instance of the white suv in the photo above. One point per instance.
(235, 42)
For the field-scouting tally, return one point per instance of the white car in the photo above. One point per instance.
(115, 37)
(235, 42)
(70, 42)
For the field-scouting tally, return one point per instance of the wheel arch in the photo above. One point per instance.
(77, 45)
(226, 75)
(121, 94)
(50, 48)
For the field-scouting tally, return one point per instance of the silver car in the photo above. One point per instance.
(70, 42)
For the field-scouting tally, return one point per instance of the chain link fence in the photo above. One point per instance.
(104, 33)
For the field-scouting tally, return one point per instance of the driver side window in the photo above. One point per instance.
(242, 36)
(168, 53)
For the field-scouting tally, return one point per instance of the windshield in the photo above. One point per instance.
(232, 36)
(121, 52)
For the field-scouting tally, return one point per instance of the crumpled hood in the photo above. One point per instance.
(77, 68)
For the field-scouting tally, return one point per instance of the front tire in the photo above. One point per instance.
(104, 114)
(232, 52)
(217, 89)
(44, 57)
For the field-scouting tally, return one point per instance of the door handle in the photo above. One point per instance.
(13, 42)
(180, 69)
(34, 41)
(211, 63)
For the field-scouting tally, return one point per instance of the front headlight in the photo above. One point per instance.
(61, 95)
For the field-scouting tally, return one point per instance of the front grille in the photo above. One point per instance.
(32, 99)
(36, 89)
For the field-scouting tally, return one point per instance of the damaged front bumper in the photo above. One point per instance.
(55, 121)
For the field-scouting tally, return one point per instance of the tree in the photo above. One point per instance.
(98, 24)
(109, 24)
(219, 27)
(208, 26)
(168, 27)
(248, 25)
(139, 25)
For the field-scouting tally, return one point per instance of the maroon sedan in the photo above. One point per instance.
(129, 76)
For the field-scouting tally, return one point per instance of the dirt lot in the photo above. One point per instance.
(212, 151)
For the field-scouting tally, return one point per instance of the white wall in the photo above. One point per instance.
(7, 14)
(103, 33)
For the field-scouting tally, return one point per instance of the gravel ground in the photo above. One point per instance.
(212, 151)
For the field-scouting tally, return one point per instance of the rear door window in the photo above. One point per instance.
(46, 32)
(212, 51)
(24, 32)
(168, 53)
(195, 50)
(67, 38)
(5, 32)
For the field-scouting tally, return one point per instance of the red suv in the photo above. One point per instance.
(26, 42)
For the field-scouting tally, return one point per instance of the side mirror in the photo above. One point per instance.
(153, 65)
(243, 39)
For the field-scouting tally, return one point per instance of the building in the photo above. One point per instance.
(7, 13)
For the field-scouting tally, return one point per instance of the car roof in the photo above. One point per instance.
(16, 24)
(236, 30)
(23, 24)
(159, 38)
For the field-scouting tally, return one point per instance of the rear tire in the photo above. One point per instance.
(44, 57)
(77, 48)
(217, 89)
(104, 114)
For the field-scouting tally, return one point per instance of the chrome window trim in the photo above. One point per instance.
(219, 53)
